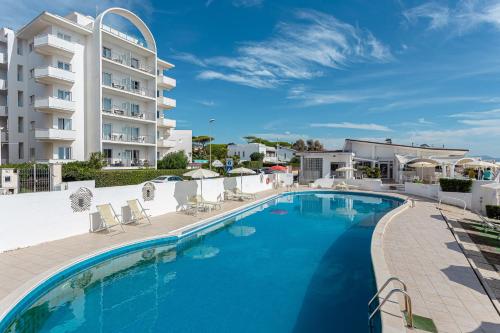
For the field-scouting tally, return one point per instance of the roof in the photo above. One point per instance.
(45, 17)
(324, 152)
(165, 63)
(408, 146)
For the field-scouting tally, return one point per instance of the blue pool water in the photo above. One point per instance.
(298, 263)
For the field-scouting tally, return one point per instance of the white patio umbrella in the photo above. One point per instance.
(242, 171)
(422, 165)
(201, 174)
(217, 164)
(481, 165)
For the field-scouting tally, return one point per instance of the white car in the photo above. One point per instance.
(167, 179)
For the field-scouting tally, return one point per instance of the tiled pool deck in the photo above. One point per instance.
(416, 246)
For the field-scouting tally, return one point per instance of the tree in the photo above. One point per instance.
(174, 160)
(257, 156)
(219, 151)
(314, 145)
(202, 140)
(299, 145)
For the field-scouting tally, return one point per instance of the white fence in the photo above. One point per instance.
(34, 218)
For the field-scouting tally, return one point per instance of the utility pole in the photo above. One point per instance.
(210, 121)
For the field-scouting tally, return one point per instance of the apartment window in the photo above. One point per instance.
(20, 150)
(106, 104)
(32, 99)
(32, 73)
(134, 63)
(64, 36)
(6, 179)
(106, 131)
(32, 125)
(20, 124)
(106, 79)
(31, 46)
(19, 46)
(64, 153)
(20, 98)
(64, 65)
(64, 94)
(134, 133)
(243, 154)
(134, 109)
(106, 52)
(64, 123)
(136, 85)
(107, 153)
(32, 154)
(19, 73)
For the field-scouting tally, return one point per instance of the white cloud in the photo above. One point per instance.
(247, 3)
(422, 121)
(481, 122)
(477, 114)
(301, 48)
(358, 126)
(465, 16)
(189, 58)
(208, 103)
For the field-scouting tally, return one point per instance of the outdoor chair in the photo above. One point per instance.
(245, 195)
(108, 216)
(137, 211)
(490, 224)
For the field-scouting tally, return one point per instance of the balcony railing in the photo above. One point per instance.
(51, 44)
(127, 87)
(4, 111)
(54, 104)
(125, 59)
(167, 82)
(166, 143)
(3, 58)
(124, 162)
(122, 35)
(166, 103)
(127, 137)
(55, 134)
(117, 111)
(3, 84)
(4, 136)
(49, 75)
(164, 122)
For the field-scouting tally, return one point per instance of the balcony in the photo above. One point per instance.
(118, 112)
(54, 75)
(54, 134)
(115, 36)
(123, 62)
(126, 90)
(126, 163)
(4, 137)
(164, 122)
(3, 84)
(3, 58)
(165, 143)
(166, 82)
(166, 103)
(127, 138)
(4, 111)
(53, 45)
(53, 104)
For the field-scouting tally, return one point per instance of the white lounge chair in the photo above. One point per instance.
(108, 216)
(343, 186)
(137, 211)
(245, 195)
(490, 224)
(230, 195)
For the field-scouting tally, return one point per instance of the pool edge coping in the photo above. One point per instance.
(21, 293)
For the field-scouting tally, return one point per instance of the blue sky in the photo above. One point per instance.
(414, 71)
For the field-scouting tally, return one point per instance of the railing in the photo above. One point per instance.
(128, 113)
(123, 162)
(127, 137)
(55, 72)
(4, 136)
(3, 58)
(52, 102)
(125, 59)
(166, 80)
(54, 41)
(3, 84)
(122, 35)
(55, 134)
(4, 111)
(126, 87)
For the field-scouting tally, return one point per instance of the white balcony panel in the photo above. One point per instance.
(166, 82)
(52, 104)
(54, 75)
(3, 84)
(165, 143)
(4, 137)
(119, 90)
(164, 122)
(4, 111)
(3, 58)
(54, 134)
(52, 45)
(166, 103)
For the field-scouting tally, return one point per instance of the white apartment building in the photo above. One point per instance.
(271, 154)
(71, 86)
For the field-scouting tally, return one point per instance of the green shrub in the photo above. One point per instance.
(106, 178)
(455, 185)
(493, 211)
(175, 160)
(257, 157)
(76, 171)
(371, 172)
(252, 164)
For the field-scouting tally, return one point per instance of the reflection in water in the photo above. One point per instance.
(279, 212)
(241, 231)
(202, 252)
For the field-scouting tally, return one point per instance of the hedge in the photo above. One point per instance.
(106, 178)
(455, 185)
(493, 211)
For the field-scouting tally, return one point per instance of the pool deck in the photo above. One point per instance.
(419, 248)
(414, 244)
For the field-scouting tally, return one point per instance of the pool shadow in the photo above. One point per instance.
(337, 295)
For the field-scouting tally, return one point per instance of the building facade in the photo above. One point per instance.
(271, 154)
(74, 85)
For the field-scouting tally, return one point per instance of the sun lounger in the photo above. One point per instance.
(137, 211)
(108, 216)
(212, 204)
(230, 195)
(245, 195)
(490, 224)
(344, 186)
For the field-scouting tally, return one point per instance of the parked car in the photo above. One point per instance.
(167, 178)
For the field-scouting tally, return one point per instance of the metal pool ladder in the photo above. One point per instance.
(404, 291)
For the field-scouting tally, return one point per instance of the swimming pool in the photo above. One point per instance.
(297, 263)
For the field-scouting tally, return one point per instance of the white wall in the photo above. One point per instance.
(422, 190)
(34, 218)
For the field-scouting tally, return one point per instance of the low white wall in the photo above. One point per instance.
(422, 190)
(34, 218)
(370, 184)
(456, 199)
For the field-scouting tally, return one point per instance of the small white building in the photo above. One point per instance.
(271, 154)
